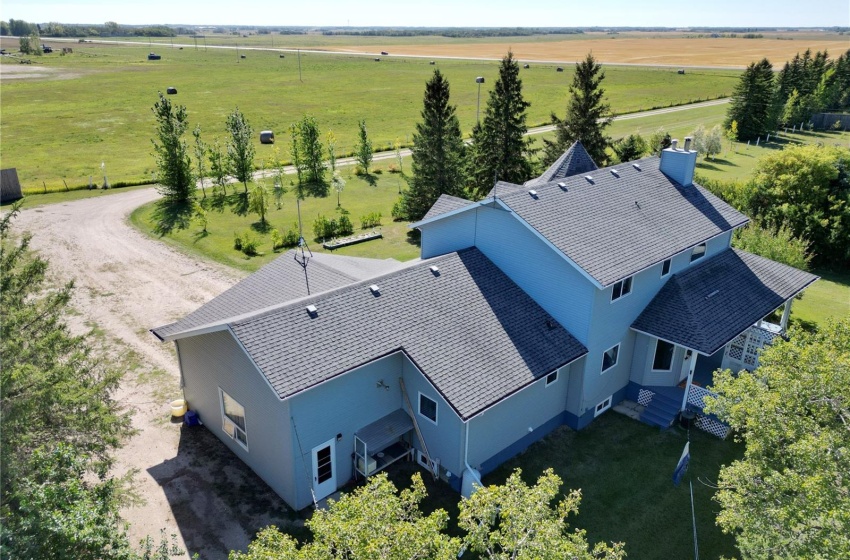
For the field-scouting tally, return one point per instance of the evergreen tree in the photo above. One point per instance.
(438, 152)
(240, 147)
(587, 116)
(499, 148)
(173, 162)
(752, 100)
(630, 148)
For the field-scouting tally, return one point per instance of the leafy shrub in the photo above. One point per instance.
(324, 228)
(370, 220)
(237, 242)
(248, 244)
(359, 171)
(780, 246)
(399, 213)
(290, 238)
(344, 226)
(277, 240)
(393, 168)
(378, 171)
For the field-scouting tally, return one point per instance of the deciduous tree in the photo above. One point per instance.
(311, 159)
(515, 520)
(499, 148)
(588, 114)
(240, 147)
(363, 151)
(787, 497)
(438, 152)
(174, 165)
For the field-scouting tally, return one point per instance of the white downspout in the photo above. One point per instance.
(466, 457)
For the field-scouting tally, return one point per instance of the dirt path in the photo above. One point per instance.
(127, 283)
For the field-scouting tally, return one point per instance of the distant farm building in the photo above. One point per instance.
(267, 137)
(10, 186)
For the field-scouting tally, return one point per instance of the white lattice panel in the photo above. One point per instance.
(645, 397)
(712, 426)
(697, 395)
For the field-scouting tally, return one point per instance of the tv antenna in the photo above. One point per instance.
(305, 254)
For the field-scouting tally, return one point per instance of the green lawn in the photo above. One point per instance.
(358, 198)
(624, 470)
(100, 109)
(828, 298)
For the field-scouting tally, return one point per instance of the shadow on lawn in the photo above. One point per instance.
(171, 216)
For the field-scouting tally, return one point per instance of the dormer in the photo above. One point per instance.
(679, 164)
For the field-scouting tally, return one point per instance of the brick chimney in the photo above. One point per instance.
(679, 163)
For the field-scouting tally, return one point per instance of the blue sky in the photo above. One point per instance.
(458, 13)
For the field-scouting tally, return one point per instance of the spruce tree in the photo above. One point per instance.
(752, 102)
(499, 148)
(438, 152)
(587, 116)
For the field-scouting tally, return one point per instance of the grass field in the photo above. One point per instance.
(630, 47)
(94, 105)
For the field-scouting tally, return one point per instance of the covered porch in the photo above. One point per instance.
(716, 315)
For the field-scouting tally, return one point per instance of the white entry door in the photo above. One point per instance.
(324, 470)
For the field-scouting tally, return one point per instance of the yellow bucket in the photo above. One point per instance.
(179, 407)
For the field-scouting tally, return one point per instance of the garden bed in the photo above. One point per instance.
(352, 240)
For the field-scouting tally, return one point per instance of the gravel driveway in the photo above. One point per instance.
(127, 283)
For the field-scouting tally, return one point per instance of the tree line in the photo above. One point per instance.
(764, 101)
(21, 28)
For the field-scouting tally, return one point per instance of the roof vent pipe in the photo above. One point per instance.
(688, 143)
(674, 144)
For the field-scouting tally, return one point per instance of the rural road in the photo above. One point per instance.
(127, 283)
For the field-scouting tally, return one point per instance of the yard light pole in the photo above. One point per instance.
(479, 80)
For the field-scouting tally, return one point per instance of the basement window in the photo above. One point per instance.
(428, 408)
(233, 419)
(621, 288)
(602, 407)
(698, 252)
(609, 357)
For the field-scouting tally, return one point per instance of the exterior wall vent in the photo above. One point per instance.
(312, 311)
(636, 166)
(376, 291)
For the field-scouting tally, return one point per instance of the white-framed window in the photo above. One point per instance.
(609, 357)
(621, 288)
(423, 460)
(665, 267)
(698, 252)
(233, 419)
(602, 407)
(663, 360)
(551, 378)
(428, 408)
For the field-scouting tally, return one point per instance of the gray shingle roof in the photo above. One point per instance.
(711, 303)
(279, 281)
(446, 203)
(473, 332)
(617, 225)
(574, 161)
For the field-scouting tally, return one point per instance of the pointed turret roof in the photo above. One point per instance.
(575, 161)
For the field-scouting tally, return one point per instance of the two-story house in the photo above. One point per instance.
(542, 305)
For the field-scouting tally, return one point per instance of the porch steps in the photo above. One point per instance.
(661, 411)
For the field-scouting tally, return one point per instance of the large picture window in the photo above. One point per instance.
(663, 360)
(233, 419)
(609, 358)
(428, 408)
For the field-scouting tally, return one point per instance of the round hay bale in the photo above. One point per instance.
(171, 90)
(267, 137)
